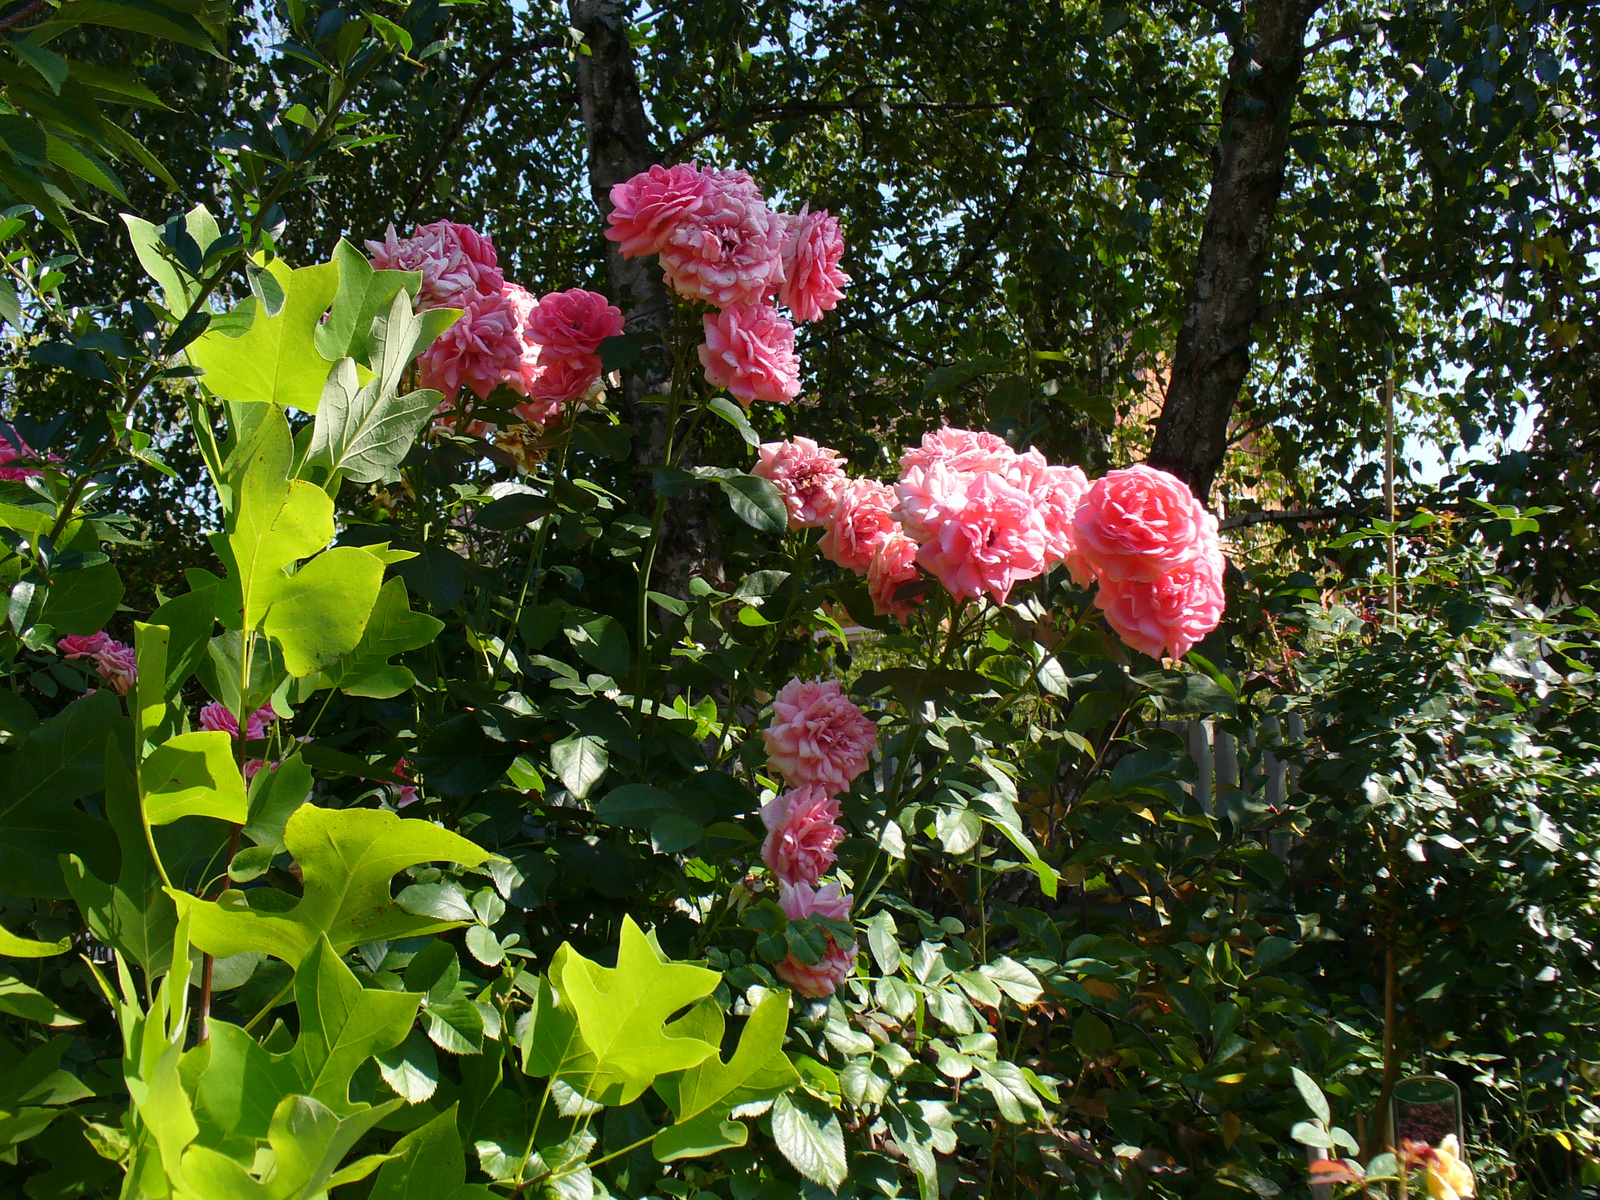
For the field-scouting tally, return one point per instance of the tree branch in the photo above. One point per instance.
(475, 93)
(1338, 295)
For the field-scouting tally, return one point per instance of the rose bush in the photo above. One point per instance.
(521, 821)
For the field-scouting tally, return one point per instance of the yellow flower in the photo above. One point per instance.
(1449, 1176)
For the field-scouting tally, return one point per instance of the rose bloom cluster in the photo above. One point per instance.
(819, 742)
(546, 350)
(114, 660)
(719, 243)
(981, 517)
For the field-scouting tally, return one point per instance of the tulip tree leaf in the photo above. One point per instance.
(318, 614)
(347, 858)
(41, 775)
(193, 775)
(622, 1017)
(13, 946)
(702, 1096)
(275, 521)
(391, 629)
(276, 360)
(363, 432)
(363, 294)
(130, 912)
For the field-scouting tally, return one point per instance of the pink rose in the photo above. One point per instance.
(458, 263)
(729, 250)
(554, 385)
(118, 665)
(1174, 612)
(802, 830)
(79, 645)
(646, 208)
(858, 526)
(750, 351)
(961, 449)
(818, 737)
(813, 283)
(820, 979)
(404, 793)
(11, 453)
(927, 494)
(570, 326)
(995, 539)
(1140, 524)
(482, 350)
(809, 477)
(894, 564)
(218, 717)
(1056, 492)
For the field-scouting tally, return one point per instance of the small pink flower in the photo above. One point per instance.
(802, 830)
(80, 645)
(894, 564)
(118, 665)
(818, 737)
(863, 519)
(12, 453)
(404, 793)
(1139, 524)
(813, 283)
(556, 384)
(1175, 612)
(569, 326)
(218, 717)
(729, 249)
(809, 477)
(965, 450)
(750, 351)
(458, 263)
(994, 540)
(481, 351)
(1056, 492)
(820, 979)
(646, 208)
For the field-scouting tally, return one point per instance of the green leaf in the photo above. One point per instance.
(581, 761)
(309, 1141)
(20, 1000)
(428, 1163)
(12, 946)
(363, 432)
(735, 415)
(190, 619)
(169, 21)
(58, 762)
(635, 805)
(275, 796)
(1312, 1095)
(1012, 1093)
(1004, 818)
(702, 1097)
(1091, 1035)
(276, 360)
(363, 295)
(602, 642)
(411, 1068)
(347, 858)
(275, 521)
(342, 1024)
(317, 615)
(883, 941)
(193, 775)
(51, 66)
(756, 502)
(130, 912)
(622, 1017)
(177, 288)
(82, 601)
(242, 1083)
(809, 1135)
(391, 629)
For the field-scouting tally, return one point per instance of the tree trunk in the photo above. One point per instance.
(617, 130)
(1214, 344)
